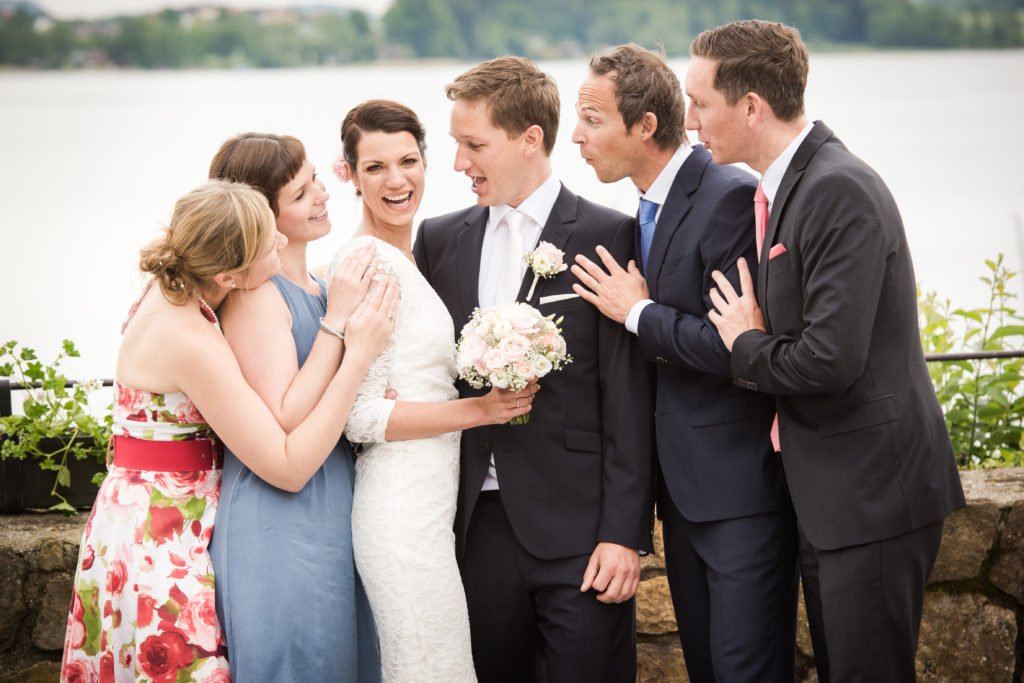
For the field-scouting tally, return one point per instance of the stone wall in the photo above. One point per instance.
(973, 613)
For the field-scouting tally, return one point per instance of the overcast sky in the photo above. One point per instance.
(91, 9)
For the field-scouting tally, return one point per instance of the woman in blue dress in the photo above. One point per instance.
(289, 599)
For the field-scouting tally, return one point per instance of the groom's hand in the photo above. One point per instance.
(613, 571)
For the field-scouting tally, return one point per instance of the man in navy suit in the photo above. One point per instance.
(551, 514)
(730, 534)
(835, 339)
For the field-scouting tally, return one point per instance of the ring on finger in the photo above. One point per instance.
(517, 403)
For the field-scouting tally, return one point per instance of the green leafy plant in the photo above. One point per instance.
(55, 423)
(983, 399)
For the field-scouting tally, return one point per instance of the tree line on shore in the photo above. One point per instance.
(478, 29)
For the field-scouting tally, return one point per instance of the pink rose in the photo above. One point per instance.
(198, 619)
(88, 557)
(514, 346)
(76, 618)
(494, 359)
(117, 575)
(187, 413)
(122, 494)
(162, 656)
(547, 260)
(131, 401)
(341, 169)
(79, 671)
(144, 614)
(181, 485)
(523, 369)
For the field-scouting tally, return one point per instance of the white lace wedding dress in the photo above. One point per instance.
(405, 493)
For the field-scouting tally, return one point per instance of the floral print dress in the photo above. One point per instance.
(142, 606)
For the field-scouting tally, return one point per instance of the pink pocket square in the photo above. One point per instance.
(776, 249)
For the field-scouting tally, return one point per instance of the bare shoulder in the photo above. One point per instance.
(253, 304)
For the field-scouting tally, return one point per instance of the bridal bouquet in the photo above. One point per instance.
(507, 346)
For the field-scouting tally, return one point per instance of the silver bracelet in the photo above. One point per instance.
(332, 330)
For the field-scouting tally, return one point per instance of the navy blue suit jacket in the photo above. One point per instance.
(713, 437)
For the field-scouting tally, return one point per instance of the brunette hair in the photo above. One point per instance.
(379, 116)
(518, 95)
(265, 161)
(219, 227)
(644, 83)
(764, 57)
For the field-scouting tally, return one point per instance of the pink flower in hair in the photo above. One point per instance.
(341, 169)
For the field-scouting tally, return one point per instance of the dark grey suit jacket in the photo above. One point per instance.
(580, 471)
(864, 443)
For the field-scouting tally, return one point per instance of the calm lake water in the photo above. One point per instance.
(92, 162)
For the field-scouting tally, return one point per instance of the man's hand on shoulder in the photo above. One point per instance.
(613, 571)
(613, 291)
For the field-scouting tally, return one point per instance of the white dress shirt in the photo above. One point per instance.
(772, 178)
(536, 208)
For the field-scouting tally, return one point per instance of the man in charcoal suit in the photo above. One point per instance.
(835, 339)
(730, 534)
(552, 514)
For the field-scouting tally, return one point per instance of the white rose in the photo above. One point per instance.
(541, 366)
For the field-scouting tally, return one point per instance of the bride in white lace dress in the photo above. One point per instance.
(407, 475)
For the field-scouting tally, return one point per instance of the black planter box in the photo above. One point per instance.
(23, 485)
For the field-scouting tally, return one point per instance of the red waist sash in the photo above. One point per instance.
(166, 456)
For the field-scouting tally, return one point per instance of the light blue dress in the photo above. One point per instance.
(290, 602)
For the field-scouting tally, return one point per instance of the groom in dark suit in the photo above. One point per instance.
(730, 534)
(552, 514)
(864, 444)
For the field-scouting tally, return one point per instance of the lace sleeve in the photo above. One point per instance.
(368, 418)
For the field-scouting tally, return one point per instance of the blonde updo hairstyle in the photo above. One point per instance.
(219, 227)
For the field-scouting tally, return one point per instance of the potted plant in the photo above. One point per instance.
(53, 454)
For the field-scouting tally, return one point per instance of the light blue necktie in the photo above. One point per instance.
(648, 210)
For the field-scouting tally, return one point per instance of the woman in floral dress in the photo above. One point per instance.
(142, 604)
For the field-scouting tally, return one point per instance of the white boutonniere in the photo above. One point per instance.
(545, 261)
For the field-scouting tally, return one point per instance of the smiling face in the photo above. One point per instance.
(605, 142)
(721, 126)
(497, 164)
(390, 176)
(302, 207)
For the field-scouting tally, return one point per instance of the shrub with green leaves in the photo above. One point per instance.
(983, 400)
(55, 423)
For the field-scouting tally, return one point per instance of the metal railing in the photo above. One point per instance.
(7, 386)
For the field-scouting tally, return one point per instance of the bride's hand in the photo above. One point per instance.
(501, 405)
(349, 284)
(371, 324)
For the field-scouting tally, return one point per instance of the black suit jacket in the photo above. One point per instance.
(580, 471)
(864, 442)
(713, 437)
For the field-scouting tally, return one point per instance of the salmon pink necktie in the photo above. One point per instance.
(760, 218)
(760, 228)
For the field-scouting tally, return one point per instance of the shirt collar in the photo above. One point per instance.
(659, 189)
(537, 207)
(772, 178)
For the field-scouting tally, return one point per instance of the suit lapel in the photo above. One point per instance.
(804, 153)
(677, 205)
(468, 245)
(556, 231)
